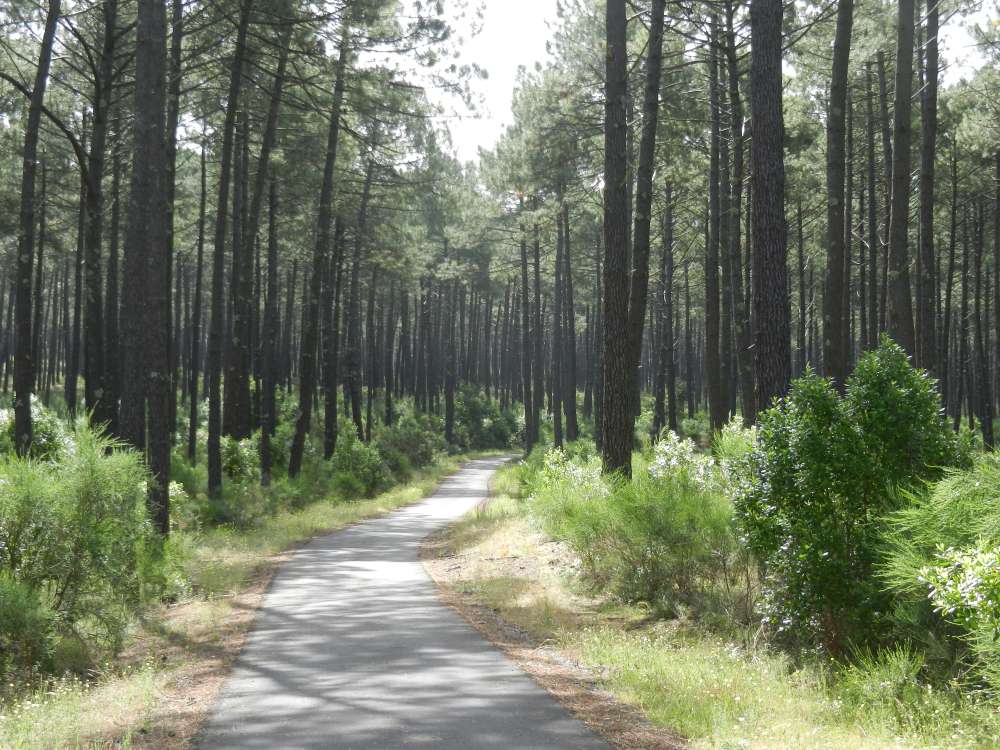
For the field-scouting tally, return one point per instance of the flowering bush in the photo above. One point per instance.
(965, 587)
(49, 434)
(676, 460)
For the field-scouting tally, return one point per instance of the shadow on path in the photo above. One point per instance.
(352, 650)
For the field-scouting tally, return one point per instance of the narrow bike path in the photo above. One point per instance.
(353, 650)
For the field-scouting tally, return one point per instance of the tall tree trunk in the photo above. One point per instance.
(624, 325)
(269, 343)
(803, 354)
(618, 380)
(962, 326)
(569, 400)
(944, 365)
(450, 362)
(835, 315)
(883, 96)
(726, 370)
(95, 371)
(307, 366)
(899, 315)
(772, 348)
(558, 361)
(112, 379)
(985, 405)
(76, 340)
(537, 334)
(741, 308)
(713, 311)
(238, 365)
(36, 325)
(372, 362)
(529, 432)
(665, 414)
(355, 353)
(215, 332)
(196, 318)
(873, 238)
(928, 149)
(146, 309)
(170, 179)
(331, 344)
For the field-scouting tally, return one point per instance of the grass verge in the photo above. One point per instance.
(716, 692)
(157, 693)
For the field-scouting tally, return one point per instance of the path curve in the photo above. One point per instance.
(352, 650)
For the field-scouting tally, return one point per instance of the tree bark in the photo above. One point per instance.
(772, 348)
(835, 316)
(741, 308)
(238, 364)
(569, 400)
(926, 345)
(526, 398)
(899, 315)
(713, 310)
(95, 371)
(146, 312)
(355, 353)
(196, 319)
(873, 238)
(215, 333)
(269, 343)
(331, 343)
(985, 405)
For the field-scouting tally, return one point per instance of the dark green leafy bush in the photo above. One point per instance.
(240, 459)
(479, 423)
(819, 482)
(417, 438)
(361, 462)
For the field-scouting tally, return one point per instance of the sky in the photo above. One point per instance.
(514, 33)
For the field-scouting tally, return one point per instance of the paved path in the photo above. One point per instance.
(352, 650)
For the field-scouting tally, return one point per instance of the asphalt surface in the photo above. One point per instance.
(353, 650)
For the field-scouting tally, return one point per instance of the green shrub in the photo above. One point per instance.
(665, 537)
(360, 460)
(281, 447)
(394, 462)
(816, 488)
(878, 686)
(417, 438)
(27, 624)
(479, 423)
(49, 434)
(939, 568)
(76, 533)
(241, 459)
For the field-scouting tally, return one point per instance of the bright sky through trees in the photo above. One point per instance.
(514, 33)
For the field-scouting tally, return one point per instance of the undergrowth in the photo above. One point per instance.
(719, 683)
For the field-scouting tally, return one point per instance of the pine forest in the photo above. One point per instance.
(725, 286)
